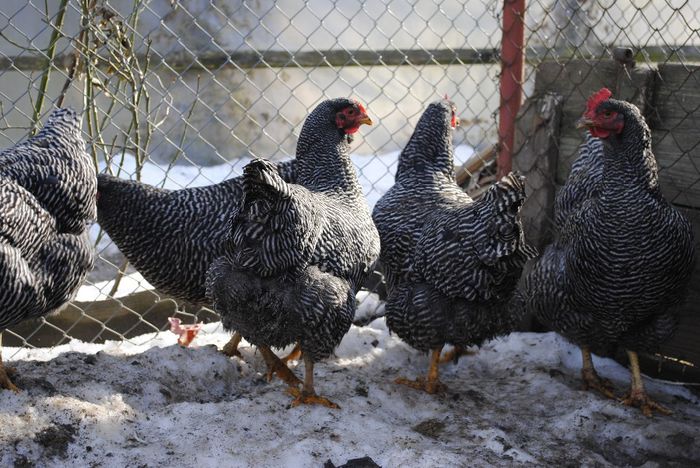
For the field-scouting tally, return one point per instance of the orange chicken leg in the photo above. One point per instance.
(431, 384)
(591, 379)
(6, 373)
(454, 354)
(230, 349)
(307, 395)
(276, 366)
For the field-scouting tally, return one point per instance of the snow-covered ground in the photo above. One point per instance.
(149, 402)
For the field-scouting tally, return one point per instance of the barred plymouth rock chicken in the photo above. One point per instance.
(47, 188)
(623, 255)
(298, 253)
(172, 236)
(451, 263)
(583, 181)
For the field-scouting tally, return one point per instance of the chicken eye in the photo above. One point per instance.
(607, 114)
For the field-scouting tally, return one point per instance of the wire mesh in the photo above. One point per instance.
(183, 93)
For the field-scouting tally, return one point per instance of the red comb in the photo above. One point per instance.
(594, 101)
(360, 106)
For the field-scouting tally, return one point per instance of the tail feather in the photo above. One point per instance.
(277, 227)
(475, 251)
(508, 193)
(261, 176)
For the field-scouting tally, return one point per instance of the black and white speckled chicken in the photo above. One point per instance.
(299, 253)
(47, 188)
(451, 263)
(583, 181)
(623, 255)
(172, 236)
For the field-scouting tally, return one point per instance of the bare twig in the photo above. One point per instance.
(50, 54)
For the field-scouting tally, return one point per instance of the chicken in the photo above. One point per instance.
(47, 188)
(451, 263)
(623, 256)
(298, 253)
(172, 236)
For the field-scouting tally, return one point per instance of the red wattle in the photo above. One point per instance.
(599, 132)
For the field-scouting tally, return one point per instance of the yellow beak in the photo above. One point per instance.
(365, 120)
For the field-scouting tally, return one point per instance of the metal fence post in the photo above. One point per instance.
(511, 90)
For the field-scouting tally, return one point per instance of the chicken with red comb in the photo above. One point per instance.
(623, 255)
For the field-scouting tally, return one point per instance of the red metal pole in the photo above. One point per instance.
(512, 51)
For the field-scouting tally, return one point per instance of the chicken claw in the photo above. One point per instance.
(6, 373)
(428, 386)
(431, 384)
(637, 396)
(230, 349)
(592, 381)
(642, 401)
(304, 398)
(276, 366)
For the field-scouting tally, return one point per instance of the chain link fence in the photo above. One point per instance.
(183, 93)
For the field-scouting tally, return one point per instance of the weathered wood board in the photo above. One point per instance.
(675, 123)
(536, 153)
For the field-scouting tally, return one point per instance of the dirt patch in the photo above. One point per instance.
(55, 439)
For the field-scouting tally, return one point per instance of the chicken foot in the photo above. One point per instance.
(6, 373)
(230, 349)
(431, 384)
(276, 366)
(293, 355)
(591, 379)
(637, 396)
(307, 394)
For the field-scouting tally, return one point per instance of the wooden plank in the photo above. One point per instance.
(675, 125)
(184, 60)
(685, 345)
(535, 156)
(246, 59)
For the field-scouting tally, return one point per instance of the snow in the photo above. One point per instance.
(150, 402)
(99, 291)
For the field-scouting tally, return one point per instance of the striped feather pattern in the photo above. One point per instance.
(298, 252)
(47, 196)
(623, 256)
(424, 184)
(451, 263)
(172, 236)
(583, 181)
